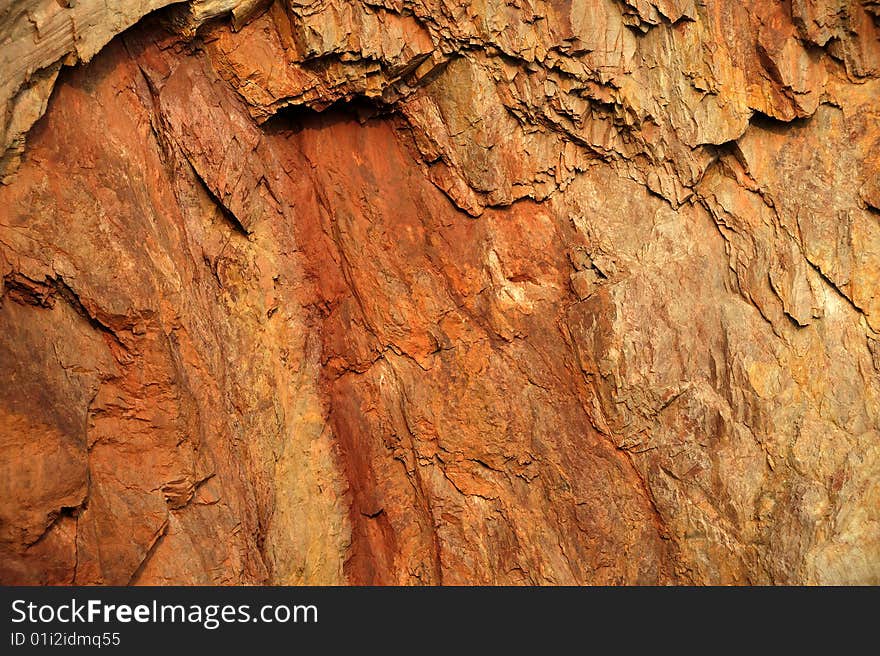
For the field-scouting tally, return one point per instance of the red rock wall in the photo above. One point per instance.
(425, 292)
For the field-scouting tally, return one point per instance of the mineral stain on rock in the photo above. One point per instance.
(439, 292)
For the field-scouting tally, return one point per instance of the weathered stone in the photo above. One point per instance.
(431, 291)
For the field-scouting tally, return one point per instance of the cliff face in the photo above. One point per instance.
(431, 291)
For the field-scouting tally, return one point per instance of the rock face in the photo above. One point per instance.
(432, 291)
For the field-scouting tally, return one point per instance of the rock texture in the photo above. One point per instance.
(431, 291)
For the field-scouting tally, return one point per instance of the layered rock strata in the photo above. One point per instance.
(431, 291)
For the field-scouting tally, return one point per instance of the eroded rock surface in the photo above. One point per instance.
(431, 291)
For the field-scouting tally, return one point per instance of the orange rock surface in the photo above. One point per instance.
(440, 292)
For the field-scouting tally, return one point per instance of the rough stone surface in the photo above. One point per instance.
(432, 291)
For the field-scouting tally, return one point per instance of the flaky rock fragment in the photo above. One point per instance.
(39, 36)
(431, 291)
